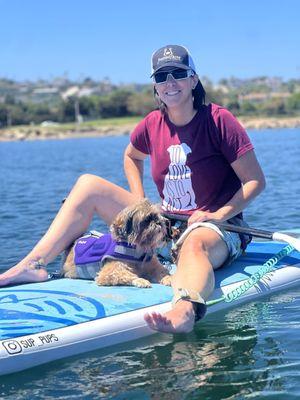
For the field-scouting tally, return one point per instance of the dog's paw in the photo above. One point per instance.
(166, 280)
(142, 283)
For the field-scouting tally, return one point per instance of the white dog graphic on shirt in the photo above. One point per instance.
(178, 191)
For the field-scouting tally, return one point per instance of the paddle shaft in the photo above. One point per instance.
(260, 233)
(246, 230)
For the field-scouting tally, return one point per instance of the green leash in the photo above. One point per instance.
(266, 268)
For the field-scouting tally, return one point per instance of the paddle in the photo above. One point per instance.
(287, 238)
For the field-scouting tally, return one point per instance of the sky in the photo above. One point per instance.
(43, 39)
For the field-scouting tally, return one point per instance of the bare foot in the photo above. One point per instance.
(180, 319)
(30, 272)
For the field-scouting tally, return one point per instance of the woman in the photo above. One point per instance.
(203, 165)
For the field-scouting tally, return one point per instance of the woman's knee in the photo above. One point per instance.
(207, 243)
(88, 180)
(195, 243)
(92, 184)
(86, 188)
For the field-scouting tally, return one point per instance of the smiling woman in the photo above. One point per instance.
(173, 87)
(204, 166)
(172, 83)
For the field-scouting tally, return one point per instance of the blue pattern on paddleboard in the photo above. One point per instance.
(25, 310)
(39, 307)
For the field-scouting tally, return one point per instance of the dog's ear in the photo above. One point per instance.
(117, 227)
(124, 227)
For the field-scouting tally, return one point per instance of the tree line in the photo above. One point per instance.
(122, 102)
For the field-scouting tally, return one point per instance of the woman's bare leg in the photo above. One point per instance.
(90, 195)
(201, 253)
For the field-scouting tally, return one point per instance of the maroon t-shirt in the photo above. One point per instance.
(190, 164)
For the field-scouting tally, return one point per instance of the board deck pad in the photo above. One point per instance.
(39, 307)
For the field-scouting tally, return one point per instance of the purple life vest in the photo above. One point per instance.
(92, 249)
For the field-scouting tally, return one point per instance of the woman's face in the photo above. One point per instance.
(175, 92)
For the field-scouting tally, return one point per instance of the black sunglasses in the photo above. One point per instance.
(178, 74)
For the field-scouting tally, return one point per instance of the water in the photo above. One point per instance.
(252, 352)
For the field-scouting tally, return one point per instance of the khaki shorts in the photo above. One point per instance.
(233, 240)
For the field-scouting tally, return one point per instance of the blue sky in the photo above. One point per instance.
(115, 39)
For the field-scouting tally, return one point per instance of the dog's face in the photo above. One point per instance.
(141, 224)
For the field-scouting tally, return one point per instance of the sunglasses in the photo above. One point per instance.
(177, 74)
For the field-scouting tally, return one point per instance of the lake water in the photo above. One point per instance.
(251, 352)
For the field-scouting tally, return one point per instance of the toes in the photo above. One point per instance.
(150, 320)
(158, 322)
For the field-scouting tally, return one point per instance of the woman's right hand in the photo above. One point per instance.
(203, 216)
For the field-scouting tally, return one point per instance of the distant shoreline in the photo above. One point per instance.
(269, 122)
(37, 132)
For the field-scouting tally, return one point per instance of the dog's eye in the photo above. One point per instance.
(148, 220)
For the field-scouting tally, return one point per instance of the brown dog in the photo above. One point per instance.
(143, 229)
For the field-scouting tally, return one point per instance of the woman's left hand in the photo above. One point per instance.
(202, 216)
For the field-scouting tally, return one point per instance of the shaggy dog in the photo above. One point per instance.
(125, 256)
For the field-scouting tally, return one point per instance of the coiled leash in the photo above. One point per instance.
(254, 279)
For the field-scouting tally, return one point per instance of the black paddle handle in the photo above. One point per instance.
(230, 228)
(246, 230)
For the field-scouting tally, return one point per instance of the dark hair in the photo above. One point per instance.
(198, 95)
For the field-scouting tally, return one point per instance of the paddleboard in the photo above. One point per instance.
(43, 322)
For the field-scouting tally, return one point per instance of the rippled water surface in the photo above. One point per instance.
(249, 352)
